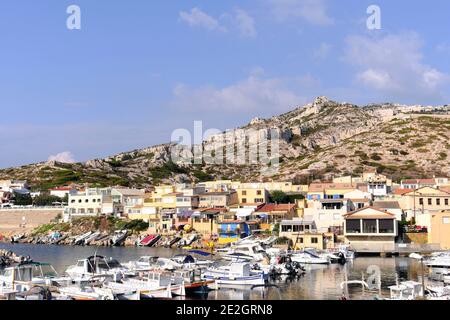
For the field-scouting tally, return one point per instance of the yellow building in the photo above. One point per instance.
(252, 195)
(438, 225)
(303, 234)
(423, 200)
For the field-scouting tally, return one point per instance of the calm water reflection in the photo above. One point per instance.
(319, 282)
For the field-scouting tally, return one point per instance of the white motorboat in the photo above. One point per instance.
(144, 263)
(87, 293)
(96, 266)
(439, 264)
(247, 250)
(307, 257)
(234, 274)
(154, 285)
(119, 238)
(23, 277)
(91, 238)
(282, 266)
(80, 239)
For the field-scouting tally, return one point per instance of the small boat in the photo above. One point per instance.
(96, 266)
(80, 240)
(239, 274)
(17, 238)
(156, 284)
(174, 241)
(306, 257)
(119, 238)
(87, 293)
(439, 263)
(150, 240)
(185, 242)
(91, 238)
(245, 249)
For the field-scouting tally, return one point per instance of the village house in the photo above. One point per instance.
(205, 221)
(378, 185)
(62, 192)
(244, 211)
(370, 229)
(130, 202)
(250, 194)
(19, 186)
(438, 227)
(303, 234)
(328, 214)
(423, 200)
(418, 183)
(91, 202)
(218, 199)
(391, 206)
(271, 214)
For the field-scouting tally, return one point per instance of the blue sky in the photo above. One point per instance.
(137, 70)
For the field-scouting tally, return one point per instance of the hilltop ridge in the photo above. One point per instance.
(318, 140)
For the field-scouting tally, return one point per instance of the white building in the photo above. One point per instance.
(328, 213)
(90, 203)
(62, 192)
(20, 186)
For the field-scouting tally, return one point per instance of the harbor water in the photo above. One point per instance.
(320, 282)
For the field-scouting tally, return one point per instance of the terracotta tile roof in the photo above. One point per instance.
(419, 181)
(271, 207)
(401, 191)
(384, 214)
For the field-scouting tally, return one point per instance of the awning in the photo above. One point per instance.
(243, 214)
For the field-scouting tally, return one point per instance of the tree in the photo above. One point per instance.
(22, 199)
(46, 200)
(279, 196)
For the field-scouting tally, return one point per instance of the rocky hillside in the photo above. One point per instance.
(318, 140)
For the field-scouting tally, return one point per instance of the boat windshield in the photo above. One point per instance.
(44, 270)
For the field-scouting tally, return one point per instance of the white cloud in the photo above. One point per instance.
(311, 11)
(393, 64)
(255, 94)
(198, 18)
(323, 51)
(64, 157)
(239, 21)
(245, 23)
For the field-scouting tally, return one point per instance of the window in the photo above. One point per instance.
(446, 202)
(300, 239)
(244, 200)
(438, 202)
(386, 225)
(244, 193)
(353, 226)
(446, 220)
(430, 201)
(314, 240)
(259, 200)
(258, 192)
(421, 201)
(369, 226)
